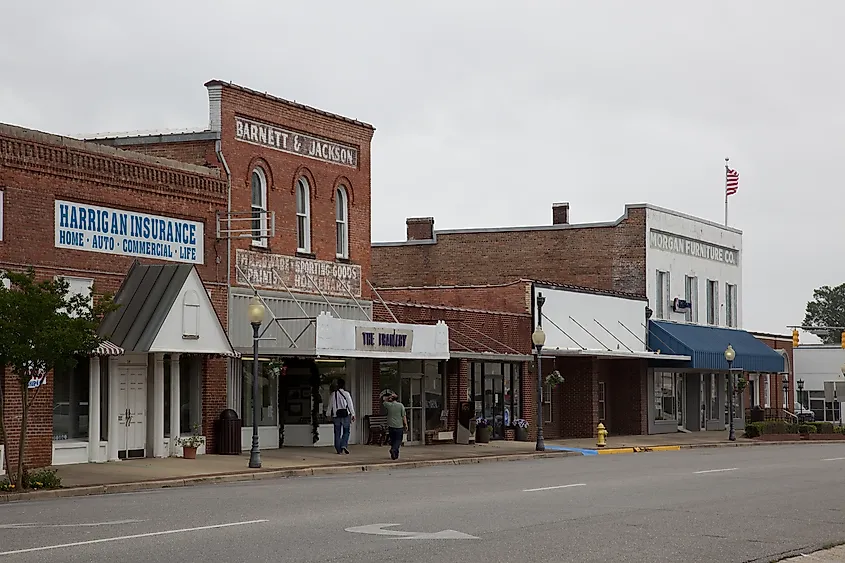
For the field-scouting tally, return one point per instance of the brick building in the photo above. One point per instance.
(112, 221)
(661, 258)
(296, 233)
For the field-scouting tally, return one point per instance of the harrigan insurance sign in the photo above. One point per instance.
(279, 272)
(92, 228)
(292, 142)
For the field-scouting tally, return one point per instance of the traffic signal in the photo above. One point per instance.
(795, 338)
(843, 339)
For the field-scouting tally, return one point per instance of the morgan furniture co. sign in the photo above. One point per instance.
(694, 248)
(276, 271)
(92, 228)
(292, 142)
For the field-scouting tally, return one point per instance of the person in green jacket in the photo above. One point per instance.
(397, 420)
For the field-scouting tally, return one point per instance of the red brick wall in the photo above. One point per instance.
(513, 297)
(200, 153)
(607, 257)
(283, 170)
(36, 169)
(39, 437)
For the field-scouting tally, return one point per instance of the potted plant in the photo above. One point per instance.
(554, 379)
(191, 443)
(482, 430)
(521, 426)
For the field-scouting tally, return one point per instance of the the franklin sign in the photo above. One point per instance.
(690, 247)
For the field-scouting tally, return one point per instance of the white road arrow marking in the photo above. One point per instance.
(378, 530)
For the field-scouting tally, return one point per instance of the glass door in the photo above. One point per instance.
(411, 396)
(494, 404)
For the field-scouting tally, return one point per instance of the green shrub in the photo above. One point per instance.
(823, 427)
(837, 430)
(806, 429)
(753, 430)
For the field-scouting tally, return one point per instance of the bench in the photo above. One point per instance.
(378, 435)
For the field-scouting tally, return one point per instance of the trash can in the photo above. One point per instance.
(228, 433)
(758, 414)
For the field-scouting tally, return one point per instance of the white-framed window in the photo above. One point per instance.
(691, 297)
(79, 286)
(548, 411)
(730, 305)
(712, 302)
(661, 298)
(259, 207)
(190, 315)
(342, 222)
(303, 215)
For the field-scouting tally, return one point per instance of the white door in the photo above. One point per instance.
(411, 396)
(131, 411)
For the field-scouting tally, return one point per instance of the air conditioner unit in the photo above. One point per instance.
(681, 306)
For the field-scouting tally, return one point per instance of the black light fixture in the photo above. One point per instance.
(255, 313)
(730, 355)
(538, 339)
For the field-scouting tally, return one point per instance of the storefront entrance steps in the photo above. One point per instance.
(150, 473)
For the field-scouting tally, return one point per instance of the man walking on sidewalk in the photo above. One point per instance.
(342, 412)
(397, 421)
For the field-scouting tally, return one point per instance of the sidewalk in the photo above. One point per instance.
(833, 555)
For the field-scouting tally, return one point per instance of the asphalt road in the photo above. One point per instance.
(728, 504)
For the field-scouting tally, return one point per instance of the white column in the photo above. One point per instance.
(114, 427)
(158, 407)
(94, 409)
(175, 402)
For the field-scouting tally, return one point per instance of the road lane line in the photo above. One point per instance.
(132, 537)
(715, 470)
(557, 487)
(834, 459)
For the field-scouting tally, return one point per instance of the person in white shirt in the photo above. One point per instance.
(342, 412)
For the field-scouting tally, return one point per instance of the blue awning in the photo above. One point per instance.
(706, 346)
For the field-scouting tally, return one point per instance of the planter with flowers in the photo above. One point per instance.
(521, 426)
(192, 443)
(482, 430)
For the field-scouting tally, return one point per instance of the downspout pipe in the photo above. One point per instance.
(218, 148)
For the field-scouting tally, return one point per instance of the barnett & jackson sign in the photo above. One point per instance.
(285, 140)
(691, 247)
(276, 271)
(91, 228)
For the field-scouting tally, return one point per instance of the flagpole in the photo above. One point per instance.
(726, 191)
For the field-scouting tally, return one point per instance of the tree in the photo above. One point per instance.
(42, 328)
(827, 309)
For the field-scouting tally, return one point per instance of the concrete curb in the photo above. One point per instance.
(262, 474)
(643, 449)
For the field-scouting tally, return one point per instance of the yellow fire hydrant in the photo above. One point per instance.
(602, 436)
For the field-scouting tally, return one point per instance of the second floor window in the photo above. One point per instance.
(712, 302)
(731, 316)
(303, 216)
(259, 207)
(342, 223)
(661, 301)
(691, 297)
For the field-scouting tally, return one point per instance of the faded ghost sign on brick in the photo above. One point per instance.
(276, 271)
(293, 142)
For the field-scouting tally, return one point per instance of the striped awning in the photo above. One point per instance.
(106, 348)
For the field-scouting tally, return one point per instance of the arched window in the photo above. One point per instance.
(303, 216)
(342, 222)
(259, 207)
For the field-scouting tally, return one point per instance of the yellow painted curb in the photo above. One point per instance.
(639, 449)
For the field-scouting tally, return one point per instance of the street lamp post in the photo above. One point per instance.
(800, 394)
(538, 338)
(730, 355)
(785, 392)
(255, 312)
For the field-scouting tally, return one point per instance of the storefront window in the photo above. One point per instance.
(816, 403)
(434, 385)
(190, 394)
(267, 393)
(330, 372)
(389, 376)
(714, 397)
(664, 396)
(494, 387)
(831, 412)
(70, 402)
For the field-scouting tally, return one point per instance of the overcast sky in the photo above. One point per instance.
(486, 112)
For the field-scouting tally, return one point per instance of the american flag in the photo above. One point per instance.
(731, 181)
